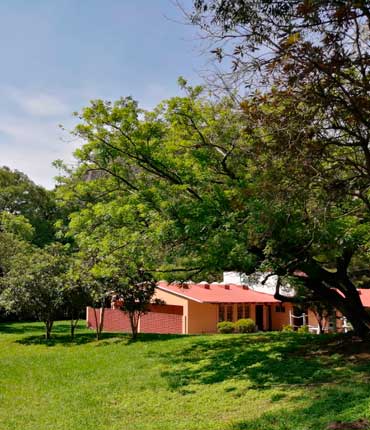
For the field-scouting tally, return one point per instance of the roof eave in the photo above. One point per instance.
(184, 296)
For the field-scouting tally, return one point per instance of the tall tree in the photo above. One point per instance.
(312, 58)
(216, 187)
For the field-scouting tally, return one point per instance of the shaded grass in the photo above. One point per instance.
(222, 382)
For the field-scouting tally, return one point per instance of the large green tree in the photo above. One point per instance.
(311, 58)
(216, 187)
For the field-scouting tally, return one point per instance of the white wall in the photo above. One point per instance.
(255, 280)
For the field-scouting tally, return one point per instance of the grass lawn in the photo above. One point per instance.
(225, 382)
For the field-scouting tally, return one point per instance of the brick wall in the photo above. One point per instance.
(160, 319)
(155, 322)
(114, 320)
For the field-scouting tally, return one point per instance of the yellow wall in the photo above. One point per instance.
(202, 318)
(279, 319)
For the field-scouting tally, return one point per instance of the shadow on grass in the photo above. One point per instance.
(263, 360)
(315, 410)
(333, 384)
(66, 340)
(126, 339)
(20, 328)
(61, 336)
(24, 327)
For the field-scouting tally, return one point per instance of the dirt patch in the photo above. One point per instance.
(361, 424)
(351, 347)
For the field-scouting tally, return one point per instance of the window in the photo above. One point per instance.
(229, 313)
(280, 308)
(240, 312)
(221, 313)
(247, 311)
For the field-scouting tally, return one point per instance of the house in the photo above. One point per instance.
(204, 305)
(195, 308)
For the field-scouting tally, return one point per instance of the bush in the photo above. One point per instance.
(287, 327)
(303, 329)
(226, 327)
(245, 325)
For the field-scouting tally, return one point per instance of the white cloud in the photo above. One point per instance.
(30, 137)
(31, 146)
(39, 104)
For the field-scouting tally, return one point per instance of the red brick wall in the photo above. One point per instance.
(114, 320)
(155, 322)
(167, 309)
(160, 319)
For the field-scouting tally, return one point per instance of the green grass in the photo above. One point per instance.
(277, 381)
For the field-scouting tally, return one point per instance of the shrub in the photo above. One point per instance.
(245, 325)
(303, 329)
(226, 327)
(287, 327)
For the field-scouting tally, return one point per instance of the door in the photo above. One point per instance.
(269, 313)
(259, 317)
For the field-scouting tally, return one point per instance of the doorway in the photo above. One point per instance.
(259, 317)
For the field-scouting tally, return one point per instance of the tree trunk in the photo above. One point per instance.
(74, 322)
(358, 317)
(134, 322)
(73, 326)
(101, 321)
(48, 327)
(99, 324)
(337, 290)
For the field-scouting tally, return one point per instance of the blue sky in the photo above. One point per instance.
(56, 55)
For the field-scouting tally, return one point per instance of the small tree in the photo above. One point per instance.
(100, 290)
(137, 294)
(76, 296)
(322, 312)
(34, 284)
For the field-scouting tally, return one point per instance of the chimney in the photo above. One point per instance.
(227, 287)
(204, 284)
(245, 287)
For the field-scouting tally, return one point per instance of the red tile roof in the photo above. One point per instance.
(216, 293)
(365, 296)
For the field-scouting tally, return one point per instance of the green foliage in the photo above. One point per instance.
(136, 291)
(16, 225)
(303, 329)
(245, 325)
(203, 185)
(287, 328)
(30, 203)
(34, 284)
(226, 327)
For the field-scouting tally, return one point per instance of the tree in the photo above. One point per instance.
(77, 295)
(116, 240)
(136, 292)
(313, 58)
(34, 284)
(217, 187)
(20, 196)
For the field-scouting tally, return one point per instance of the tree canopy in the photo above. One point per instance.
(203, 185)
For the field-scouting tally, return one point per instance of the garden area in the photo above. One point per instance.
(219, 382)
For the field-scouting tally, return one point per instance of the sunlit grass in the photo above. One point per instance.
(224, 382)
